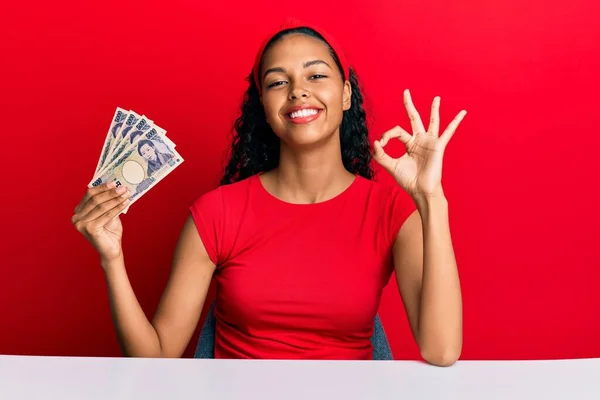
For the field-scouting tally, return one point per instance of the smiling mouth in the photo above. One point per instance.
(306, 113)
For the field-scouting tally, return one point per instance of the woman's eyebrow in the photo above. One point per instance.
(305, 65)
(315, 62)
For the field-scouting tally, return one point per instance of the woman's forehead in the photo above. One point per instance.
(296, 47)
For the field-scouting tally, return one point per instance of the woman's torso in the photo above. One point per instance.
(301, 281)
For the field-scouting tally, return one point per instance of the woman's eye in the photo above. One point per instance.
(278, 83)
(318, 76)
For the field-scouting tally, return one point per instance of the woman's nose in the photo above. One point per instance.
(297, 91)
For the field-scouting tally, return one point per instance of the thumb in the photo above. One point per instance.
(382, 157)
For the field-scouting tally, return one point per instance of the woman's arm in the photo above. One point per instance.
(179, 310)
(428, 281)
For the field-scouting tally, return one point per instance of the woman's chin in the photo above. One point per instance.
(305, 141)
(304, 138)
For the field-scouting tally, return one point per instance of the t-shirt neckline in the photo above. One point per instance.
(268, 197)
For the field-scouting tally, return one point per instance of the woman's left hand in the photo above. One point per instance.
(419, 171)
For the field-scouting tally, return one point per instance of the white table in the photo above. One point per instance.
(121, 378)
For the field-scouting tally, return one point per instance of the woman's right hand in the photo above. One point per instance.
(96, 218)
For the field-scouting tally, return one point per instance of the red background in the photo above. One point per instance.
(521, 174)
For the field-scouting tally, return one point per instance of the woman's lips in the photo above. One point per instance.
(303, 116)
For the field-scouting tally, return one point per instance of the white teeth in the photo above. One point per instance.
(303, 113)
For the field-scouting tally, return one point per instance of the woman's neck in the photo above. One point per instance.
(308, 176)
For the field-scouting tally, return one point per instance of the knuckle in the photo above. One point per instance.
(87, 229)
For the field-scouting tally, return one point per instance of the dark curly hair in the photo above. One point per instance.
(255, 147)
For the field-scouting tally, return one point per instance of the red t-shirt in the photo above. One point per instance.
(299, 281)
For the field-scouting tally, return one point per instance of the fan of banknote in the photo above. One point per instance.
(136, 154)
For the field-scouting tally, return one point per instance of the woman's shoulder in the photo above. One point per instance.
(388, 200)
(381, 191)
(387, 196)
(225, 194)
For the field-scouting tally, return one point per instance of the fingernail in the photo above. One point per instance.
(121, 189)
(110, 185)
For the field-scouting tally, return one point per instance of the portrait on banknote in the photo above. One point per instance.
(155, 154)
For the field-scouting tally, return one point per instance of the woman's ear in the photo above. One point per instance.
(347, 96)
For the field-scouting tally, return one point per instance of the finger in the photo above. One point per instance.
(93, 191)
(449, 132)
(106, 206)
(102, 202)
(395, 132)
(382, 157)
(110, 214)
(413, 114)
(94, 200)
(434, 120)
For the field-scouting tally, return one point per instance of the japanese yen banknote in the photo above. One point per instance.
(136, 154)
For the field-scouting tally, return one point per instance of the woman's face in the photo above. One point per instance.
(302, 90)
(148, 152)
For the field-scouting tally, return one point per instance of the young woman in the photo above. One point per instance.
(299, 238)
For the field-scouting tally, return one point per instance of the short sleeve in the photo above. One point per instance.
(401, 206)
(209, 216)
